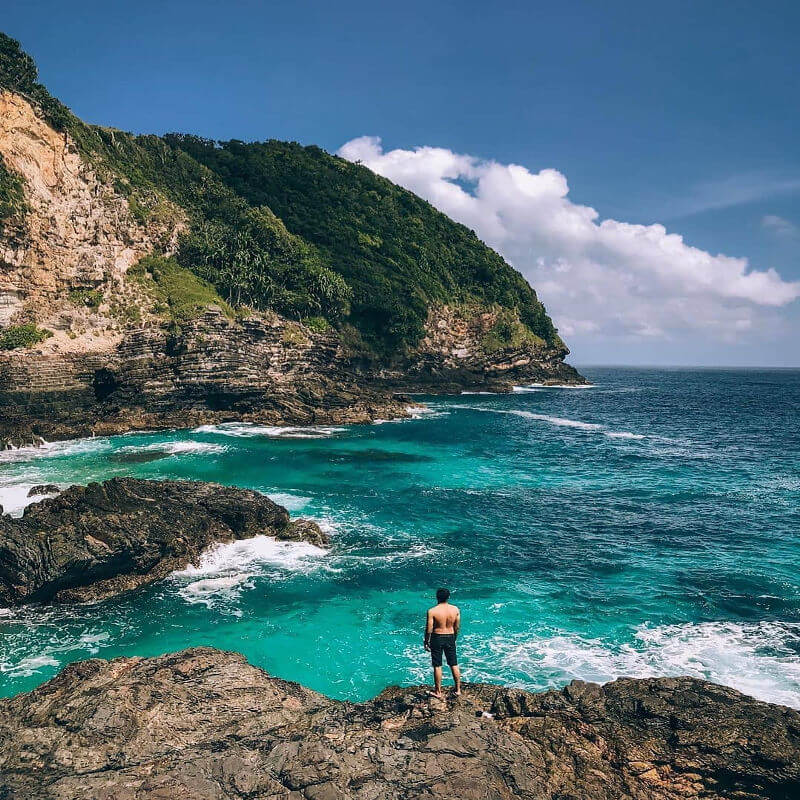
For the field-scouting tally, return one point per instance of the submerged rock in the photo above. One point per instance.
(205, 724)
(102, 539)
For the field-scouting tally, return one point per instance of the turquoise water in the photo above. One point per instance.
(649, 525)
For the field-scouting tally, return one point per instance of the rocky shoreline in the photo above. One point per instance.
(203, 724)
(266, 371)
(93, 542)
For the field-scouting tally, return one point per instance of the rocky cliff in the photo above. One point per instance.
(213, 369)
(77, 234)
(333, 326)
(204, 724)
(103, 539)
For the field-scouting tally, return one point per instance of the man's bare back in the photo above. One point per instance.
(445, 618)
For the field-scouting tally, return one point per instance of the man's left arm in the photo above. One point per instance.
(428, 630)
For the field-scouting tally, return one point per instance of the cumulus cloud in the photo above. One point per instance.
(597, 277)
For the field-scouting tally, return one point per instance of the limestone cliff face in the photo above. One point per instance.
(77, 234)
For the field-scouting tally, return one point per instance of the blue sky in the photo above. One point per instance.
(683, 114)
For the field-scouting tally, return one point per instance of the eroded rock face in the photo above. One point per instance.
(78, 233)
(458, 351)
(203, 724)
(214, 370)
(95, 541)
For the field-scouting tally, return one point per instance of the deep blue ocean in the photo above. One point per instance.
(648, 525)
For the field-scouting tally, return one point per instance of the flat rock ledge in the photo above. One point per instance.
(96, 541)
(203, 724)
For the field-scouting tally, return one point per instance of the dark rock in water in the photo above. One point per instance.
(95, 541)
(204, 724)
(142, 457)
(43, 489)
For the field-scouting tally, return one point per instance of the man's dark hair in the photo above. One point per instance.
(442, 595)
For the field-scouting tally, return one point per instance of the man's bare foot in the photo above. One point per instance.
(437, 695)
(457, 692)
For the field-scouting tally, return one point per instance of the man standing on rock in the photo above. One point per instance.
(441, 629)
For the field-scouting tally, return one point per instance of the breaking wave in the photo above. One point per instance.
(758, 659)
(561, 422)
(243, 429)
(226, 569)
(174, 448)
(71, 447)
(535, 387)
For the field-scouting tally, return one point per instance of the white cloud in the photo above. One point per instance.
(597, 277)
(780, 226)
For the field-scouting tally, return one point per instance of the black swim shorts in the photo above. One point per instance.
(443, 643)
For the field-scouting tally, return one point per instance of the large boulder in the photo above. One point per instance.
(105, 538)
(203, 724)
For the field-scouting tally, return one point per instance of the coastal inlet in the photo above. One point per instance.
(647, 525)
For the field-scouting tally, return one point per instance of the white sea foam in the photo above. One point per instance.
(291, 502)
(759, 659)
(55, 450)
(227, 569)
(244, 429)
(561, 422)
(14, 498)
(243, 555)
(384, 559)
(49, 657)
(429, 411)
(535, 387)
(175, 448)
(209, 591)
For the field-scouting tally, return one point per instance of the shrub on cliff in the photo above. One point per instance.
(259, 263)
(12, 197)
(176, 290)
(25, 335)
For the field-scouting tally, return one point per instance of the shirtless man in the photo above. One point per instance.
(441, 629)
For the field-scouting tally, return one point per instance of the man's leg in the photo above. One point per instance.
(456, 677)
(437, 680)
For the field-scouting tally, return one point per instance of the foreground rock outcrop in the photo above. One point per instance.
(203, 724)
(105, 538)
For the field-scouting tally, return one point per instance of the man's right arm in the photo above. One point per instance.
(457, 624)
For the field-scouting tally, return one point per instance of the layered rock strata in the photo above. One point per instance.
(212, 370)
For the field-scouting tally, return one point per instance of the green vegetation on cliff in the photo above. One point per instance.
(176, 291)
(25, 335)
(396, 251)
(12, 196)
(275, 225)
